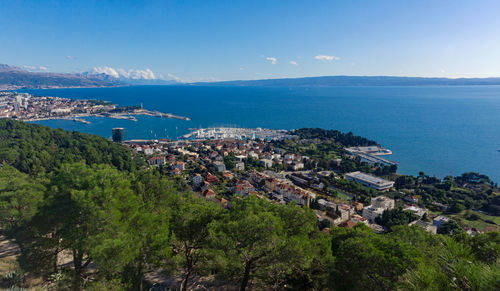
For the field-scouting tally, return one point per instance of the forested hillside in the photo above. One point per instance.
(86, 218)
(34, 148)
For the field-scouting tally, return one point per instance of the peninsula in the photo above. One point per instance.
(27, 107)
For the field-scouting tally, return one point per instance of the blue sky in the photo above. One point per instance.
(227, 40)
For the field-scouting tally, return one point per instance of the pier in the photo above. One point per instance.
(371, 154)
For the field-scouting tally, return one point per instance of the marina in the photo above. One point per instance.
(237, 133)
(371, 154)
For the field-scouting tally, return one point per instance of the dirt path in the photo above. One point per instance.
(8, 253)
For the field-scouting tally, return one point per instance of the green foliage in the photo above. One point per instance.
(396, 216)
(365, 260)
(450, 227)
(264, 243)
(345, 139)
(191, 237)
(93, 209)
(20, 196)
(36, 149)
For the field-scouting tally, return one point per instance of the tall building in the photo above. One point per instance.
(118, 134)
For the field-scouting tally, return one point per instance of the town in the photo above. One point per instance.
(221, 169)
(27, 107)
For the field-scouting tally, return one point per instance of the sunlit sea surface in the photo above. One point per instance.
(439, 130)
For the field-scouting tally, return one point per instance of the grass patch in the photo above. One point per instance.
(343, 196)
(482, 221)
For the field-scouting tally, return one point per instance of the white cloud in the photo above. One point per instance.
(106, 70)
(326, 58)
(70, 57)
(273, 61)
(146, 74)
(173, 77)
(293, 63)
(35, 68)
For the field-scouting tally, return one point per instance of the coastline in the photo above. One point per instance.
(123, 115)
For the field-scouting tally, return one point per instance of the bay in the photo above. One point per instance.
(441, 130)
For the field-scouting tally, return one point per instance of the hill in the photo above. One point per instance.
(358, 81)
(13, 78)
(36, 149)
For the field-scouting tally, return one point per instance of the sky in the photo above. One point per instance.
(233, 40)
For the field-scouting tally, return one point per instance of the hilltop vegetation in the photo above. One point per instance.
(35, 149)
(92, 222)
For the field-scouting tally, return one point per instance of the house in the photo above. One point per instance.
(270, 184)
(267, 163)
(205, 186)
(257, 177)
(175, 171)
(425, 225)
(223, 202)
(219, 166)
(240, 166)
(357, 205)
(178, 165)
(244, 188)
(228, 175)
(197, 179)
(383, 202)
(411, 199)
(209, 193)
(377, 228)
(148, 151)
(253, 155)
(212, 178)
(439, 221)
(240, 158)
(378, 206)
(370, 181)
(157, 161)
(297, 166)
(417, 210)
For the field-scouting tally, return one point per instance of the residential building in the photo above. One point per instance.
(240, 166)
(197, 179)
(439, 221)
(425, 225)
(298, 166)
(157, 161)
(378, 206)
(383, 202)
(219, 166)
(244, 188)
(267, 163)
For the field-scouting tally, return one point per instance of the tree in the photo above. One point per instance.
(396, 216)
(450, 227)
(20, 197)
(191, 237)
(136, 237)
(366, 261)
(264, 241)
(76, 205)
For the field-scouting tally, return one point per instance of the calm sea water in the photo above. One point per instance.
(439, 130)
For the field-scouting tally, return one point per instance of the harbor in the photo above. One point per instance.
(219, 133)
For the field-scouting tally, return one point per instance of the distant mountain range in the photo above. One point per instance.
(13, 78)
(358, 81)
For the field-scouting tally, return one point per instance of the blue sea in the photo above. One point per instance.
(439, 130)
